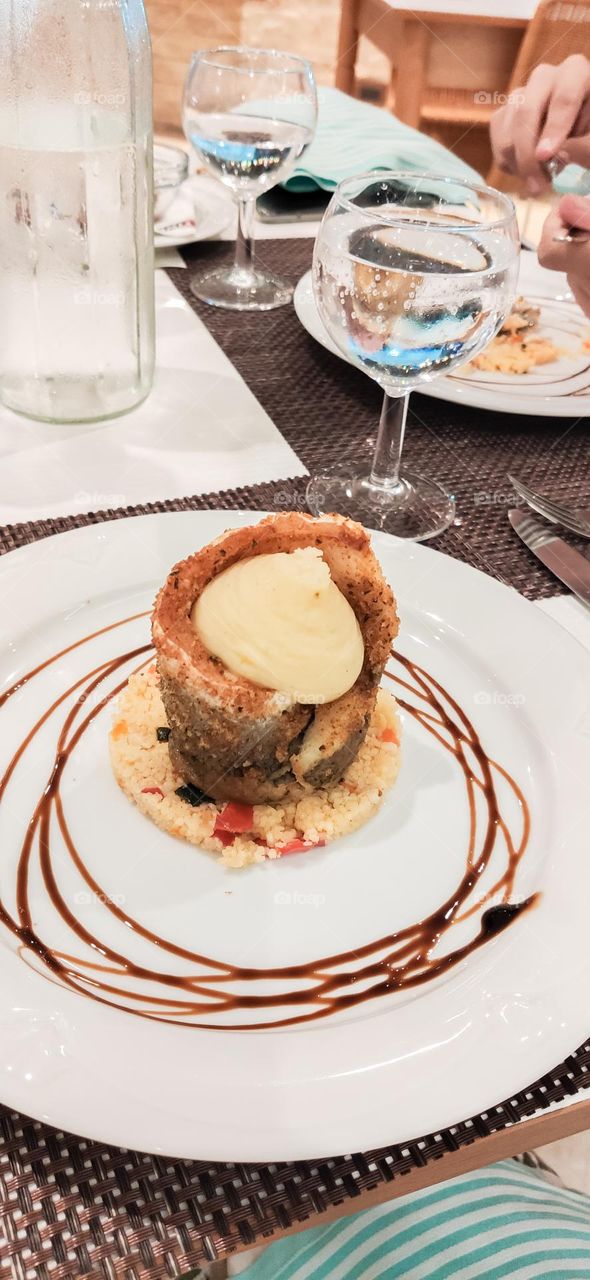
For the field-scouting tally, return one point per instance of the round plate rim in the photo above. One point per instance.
(243, 1144)
(210, 206)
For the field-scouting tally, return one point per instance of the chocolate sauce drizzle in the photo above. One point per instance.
(212, 989)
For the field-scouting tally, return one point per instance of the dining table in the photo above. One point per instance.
(244, 406)
(519, 10)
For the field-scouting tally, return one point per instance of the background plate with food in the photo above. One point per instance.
(543, 369)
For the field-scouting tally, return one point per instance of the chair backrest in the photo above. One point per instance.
(557, 29)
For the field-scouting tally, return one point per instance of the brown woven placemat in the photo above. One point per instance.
(73, 1209)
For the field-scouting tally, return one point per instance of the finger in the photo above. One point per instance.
(580, 292)
(583, 121)
(502, 137)
(570, 92)
(550, 253)
(574, 211)
(528, 124)
(577, 150)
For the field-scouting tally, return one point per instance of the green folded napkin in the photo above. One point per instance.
(354, 137)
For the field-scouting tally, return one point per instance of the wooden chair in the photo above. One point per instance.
(447, 67)
(558, 29)
(177, 28)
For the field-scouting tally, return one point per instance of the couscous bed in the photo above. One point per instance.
(244, 834)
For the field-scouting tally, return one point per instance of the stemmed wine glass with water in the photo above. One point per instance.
(413, 274)
(249, 114)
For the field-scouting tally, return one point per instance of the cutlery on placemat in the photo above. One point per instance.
(564, 562)
(575, 518)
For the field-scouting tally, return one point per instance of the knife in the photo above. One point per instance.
(562, 560)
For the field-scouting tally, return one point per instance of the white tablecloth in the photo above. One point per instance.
(200, 430)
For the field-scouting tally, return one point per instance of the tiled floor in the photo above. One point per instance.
(571, 1160)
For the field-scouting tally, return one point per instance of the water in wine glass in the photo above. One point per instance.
(250, 153)
(408, 303)
(248, 113)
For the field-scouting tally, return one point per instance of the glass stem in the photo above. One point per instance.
(390, 440)
(245, 241)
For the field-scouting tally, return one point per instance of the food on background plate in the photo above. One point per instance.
(261, 729)
(524, 315)
(512, 350)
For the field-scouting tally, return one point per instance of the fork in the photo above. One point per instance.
(575, 518)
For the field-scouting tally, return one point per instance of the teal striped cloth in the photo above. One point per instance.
(503, 1221)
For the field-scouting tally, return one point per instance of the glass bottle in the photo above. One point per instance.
(76, 208)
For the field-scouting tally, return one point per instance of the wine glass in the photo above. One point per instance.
(249, 114)
(413, 274)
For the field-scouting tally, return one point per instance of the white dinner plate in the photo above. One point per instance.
(560, 389)
(100, 1059)
(210, 208)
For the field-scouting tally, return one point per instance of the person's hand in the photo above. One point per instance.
(572, 257)
(549, 117)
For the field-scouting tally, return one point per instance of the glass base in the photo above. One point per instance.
(415, 508)
(241, 290)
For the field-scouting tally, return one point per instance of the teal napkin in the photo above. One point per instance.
(573, 180)
(352, 137)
